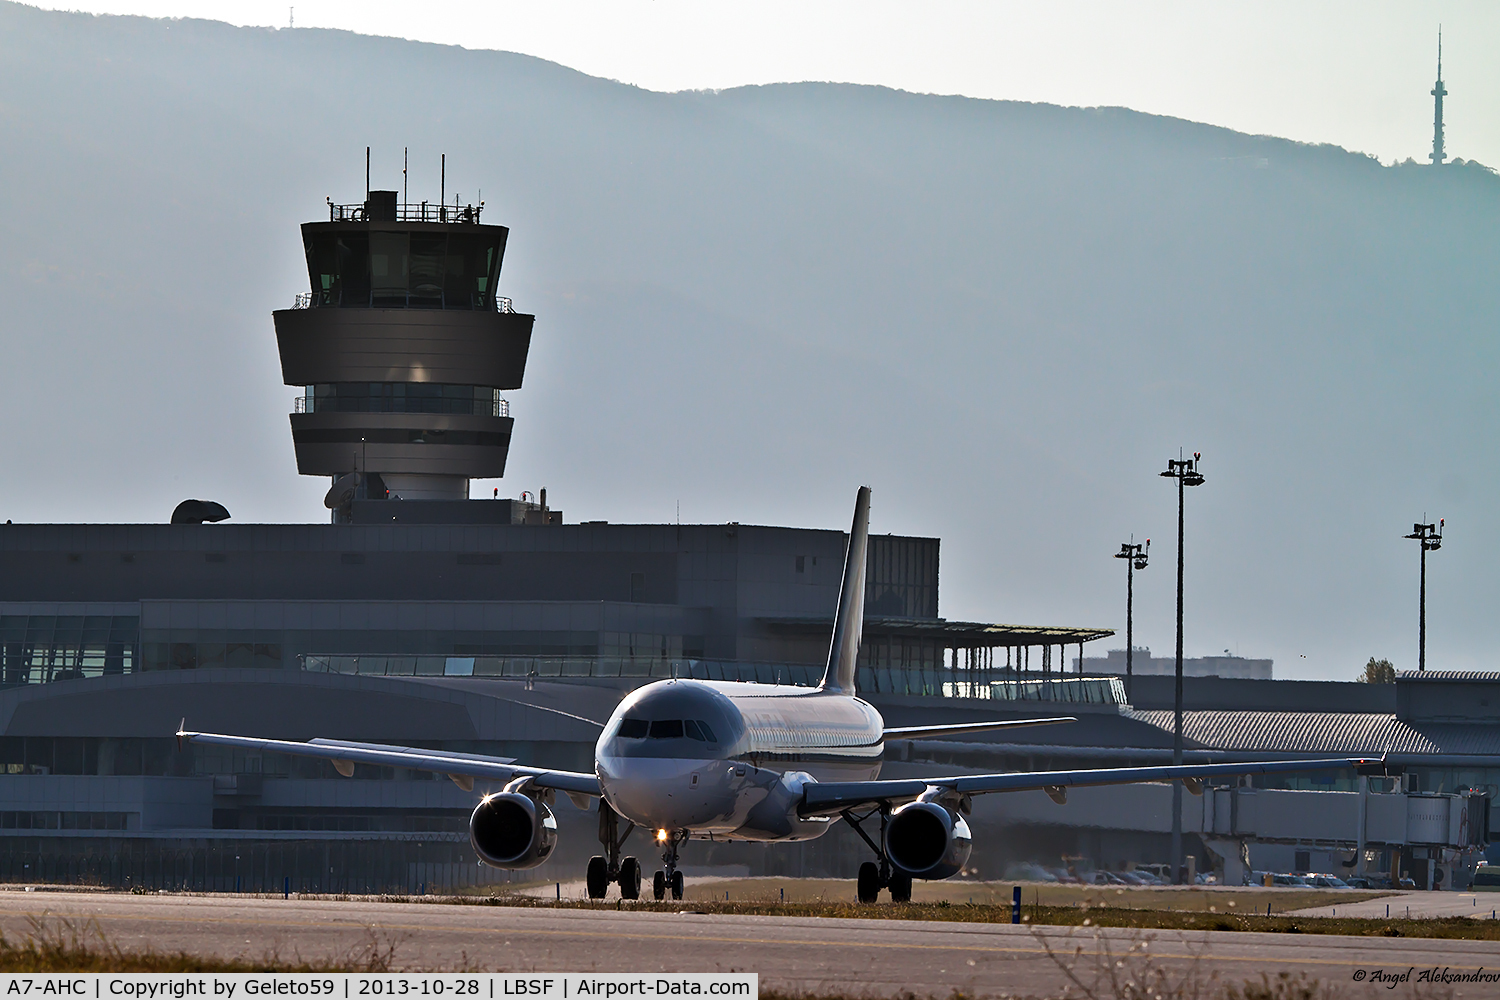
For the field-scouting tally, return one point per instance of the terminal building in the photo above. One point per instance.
(417, 616)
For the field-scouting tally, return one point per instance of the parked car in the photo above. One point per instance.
(1486, 879)
(1327, 881)
(1296, 881)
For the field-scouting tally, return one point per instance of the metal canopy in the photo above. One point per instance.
(956, 635)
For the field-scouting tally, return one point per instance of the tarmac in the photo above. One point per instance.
(797, 954)
(1483, 905)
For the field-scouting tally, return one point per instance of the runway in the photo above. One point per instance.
(865, 957)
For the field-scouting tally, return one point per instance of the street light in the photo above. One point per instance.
(1135, 556)
(1431, 537)
(1185, 471)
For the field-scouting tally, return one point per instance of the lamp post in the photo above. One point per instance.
(1185, 471)
(1135, 556)
(1431, 537)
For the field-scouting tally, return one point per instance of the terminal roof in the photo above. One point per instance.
(951, 633)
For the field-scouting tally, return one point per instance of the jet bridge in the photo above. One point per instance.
(1436, 838)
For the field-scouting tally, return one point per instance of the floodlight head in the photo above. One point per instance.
(1192, 479)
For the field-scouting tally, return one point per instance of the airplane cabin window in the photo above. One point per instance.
(693, 732)
(633, 729)
(666, 729)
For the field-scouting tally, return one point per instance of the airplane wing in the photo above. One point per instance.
(463, 768)
(835, 796)
(956, 729)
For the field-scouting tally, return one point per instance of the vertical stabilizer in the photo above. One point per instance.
(848, 624)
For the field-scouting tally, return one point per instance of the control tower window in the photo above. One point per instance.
(405, 397)
(390, 270)
(427, 253)
(417, 270)
(470, 265)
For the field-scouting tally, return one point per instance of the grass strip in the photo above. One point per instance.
(1464, 928)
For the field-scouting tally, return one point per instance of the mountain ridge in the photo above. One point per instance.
(1004, 315)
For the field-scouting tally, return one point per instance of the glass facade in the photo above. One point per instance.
(901, 577)
(36, 649)
(62, 820)
(363, 267)
(404, 397)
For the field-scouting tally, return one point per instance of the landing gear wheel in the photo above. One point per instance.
(598, 877)
(659, 885)
(677, 885)
(900, 888)
(630, 879)
(868, 884)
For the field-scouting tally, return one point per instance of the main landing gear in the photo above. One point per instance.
(603, 871)
(669, 877)
(874, 877)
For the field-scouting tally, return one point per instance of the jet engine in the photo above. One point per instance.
(512, 831)
(927, 840)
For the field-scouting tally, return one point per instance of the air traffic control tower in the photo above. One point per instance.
(402, 348)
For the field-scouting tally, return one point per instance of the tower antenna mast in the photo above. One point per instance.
(1439, 154)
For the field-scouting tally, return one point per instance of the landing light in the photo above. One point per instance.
(661, 836)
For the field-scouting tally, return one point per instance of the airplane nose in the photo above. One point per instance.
(664, 794)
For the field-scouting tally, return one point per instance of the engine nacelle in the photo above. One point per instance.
(927, 840)
(512, 831)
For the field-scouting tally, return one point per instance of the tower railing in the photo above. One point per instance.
(500, 407)
(409, 300)
(419, 212)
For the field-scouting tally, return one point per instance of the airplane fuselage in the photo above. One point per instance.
(729, 759)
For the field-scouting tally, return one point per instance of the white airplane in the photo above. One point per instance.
(749, 762)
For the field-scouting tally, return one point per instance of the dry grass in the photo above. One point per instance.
(66, 946)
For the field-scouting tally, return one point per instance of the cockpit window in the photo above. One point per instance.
(693, 732)
(633, 729)
(666, 729)
(708, 734)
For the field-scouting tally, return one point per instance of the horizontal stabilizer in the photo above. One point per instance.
(957, 729)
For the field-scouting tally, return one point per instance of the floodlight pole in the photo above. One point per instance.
(1135, 558)
(1185, 471)
(1431, 537)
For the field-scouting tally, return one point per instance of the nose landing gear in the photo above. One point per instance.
(669, 877)
(609, 869)
(872, 876)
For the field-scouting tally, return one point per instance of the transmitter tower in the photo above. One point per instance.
(1439, 154)
(402, 348)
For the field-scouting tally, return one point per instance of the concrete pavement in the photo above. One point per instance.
(864, 957)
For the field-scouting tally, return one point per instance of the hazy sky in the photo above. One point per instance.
(1002, 317)
(1356, 74)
